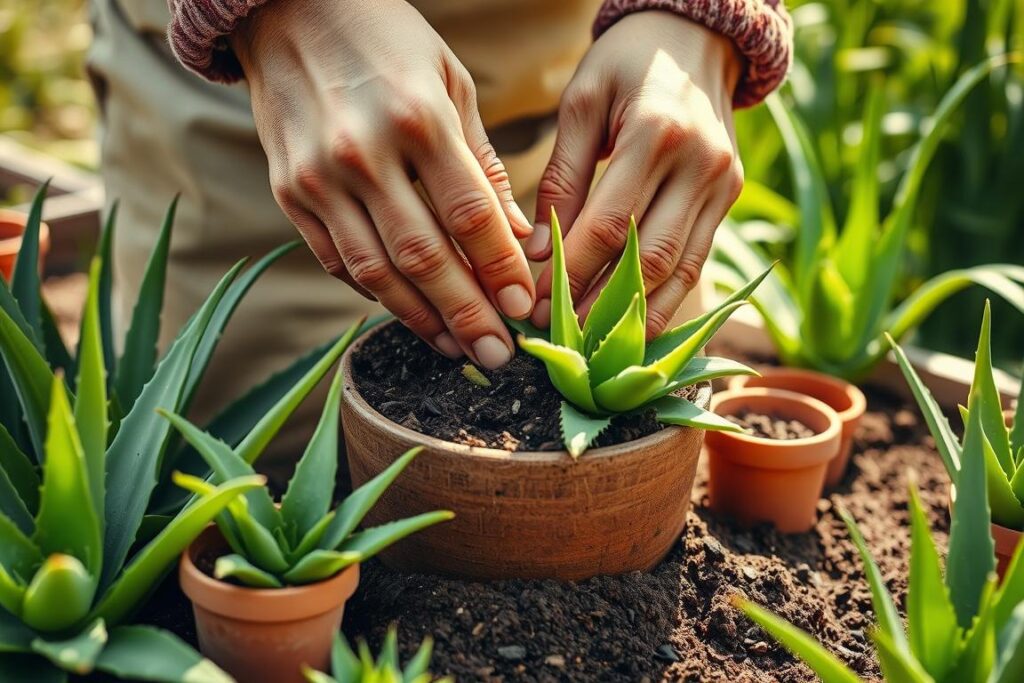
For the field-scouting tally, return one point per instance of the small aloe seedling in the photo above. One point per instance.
(605, 368)
(962, 627)
(348, 666)
(1004, 447)
(303, 540)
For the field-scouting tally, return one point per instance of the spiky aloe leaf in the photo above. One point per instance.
(12, 593)
(672, 363)
(236, 567)
(25, 284)
(344, 663)
(19, 556)
(566, 368)
(988, 403)
(829, 328)
(622, 346)
(674, 410)
(56, 352)
(897, 664)
(139, 359)
(59, 595)
(78, 653)
(367, 543)
(13, 507)
(565, 326)
(579, 429)
(705, 369)
(143, 653)
(30, 375)
(319, 565)
(630, 389)
(19, 471)
(91, 399)
(14, 636)
(308, 542)
(104, 293)
(625, 285)
(1010, 658)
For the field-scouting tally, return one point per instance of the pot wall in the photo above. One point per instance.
(12, 225)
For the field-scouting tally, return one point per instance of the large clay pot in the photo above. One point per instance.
(839, 395)
(263, 634)
(527, 514)
(12, 227)
(754, 479)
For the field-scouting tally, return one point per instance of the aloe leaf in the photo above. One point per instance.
(141, 574)
(236, 567)
(616, 299)
(678, 411)
(308, 497)
(91, 399)
(630, 389)
(67, 521)
(822, 662)
(14, 636)
(310, 540)
(417, 666)
(367, 543)
(319, 565)
(13, 507)
(828, 329)
(78, 653)
(527, 329)
(971, 551)
(23, 668)
(945, 440)
(897, 664)
(30, 375)
(705, 369)
(143, 653)
(888, 618)
(19, 470)
(25, 284)
(225, 520)
(344, 663)
(55, 351)
(989, 404)
(579, 429)
(133, 458)
(621, 347)
(12, 593)
(566, 368)
(931, 619)
(1010, 652)
(104, 293)
(18, 554)
(314, 676)
(59, 594)
(388, 655)
(565, 326)
(1004, 495)
(264, 430)
(860, 230)
(350, 513)
(1017, 432)
(673, 362)
(139, 359)
(260, 545)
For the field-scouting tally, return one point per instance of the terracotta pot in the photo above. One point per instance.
(839, 395)
(526, 514)
(263, 634)
(754, 479)
(12, 226)
(1005, 538)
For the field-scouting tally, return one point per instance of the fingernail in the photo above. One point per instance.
(491, 352)
(538, 241)
(515, 301)
(448, 346)
(542, 313)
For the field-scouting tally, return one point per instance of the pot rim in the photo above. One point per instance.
(366, 412)
(832, 432)
(858, 401)
(260, 604)
(11, 245)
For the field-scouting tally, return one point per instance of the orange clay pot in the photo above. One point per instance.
(12, 226)
(526, 514)
(841, 396)
(263, 634)
(1006, 541)
(755, 479)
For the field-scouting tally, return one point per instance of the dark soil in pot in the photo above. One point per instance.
(406, 381)
(634, 628)
(772, 426)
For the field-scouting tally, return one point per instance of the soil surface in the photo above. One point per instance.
(772, 426)
(407, 382)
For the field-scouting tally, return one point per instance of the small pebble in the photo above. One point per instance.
(712, 548)
(512, 653)
(760, 647)
(666, 653)
(749, 572)
(515, 406)
(555, 660)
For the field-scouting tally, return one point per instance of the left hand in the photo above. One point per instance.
(654, 95)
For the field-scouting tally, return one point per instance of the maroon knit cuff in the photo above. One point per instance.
(761, 30)
(198, 33)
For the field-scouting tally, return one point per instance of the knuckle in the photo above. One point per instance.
(333, 266)
(735, 180)
(492, 166)
(689, 269)
(657, 321)
(718, 159)
(609, 231)
(370, 271)
(344, 151)
(420, 256)
(503, 263)
(418, 318)
(308, 180)
(412, 116)
(468, 313)
(670, 134)
(577, 104)
(658, 260)
(470, 216)
(556, 184)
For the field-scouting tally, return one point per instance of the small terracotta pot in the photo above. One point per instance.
(526, 514)
(753, 479)
(263, 634)
(839, 395)
(1005, 538)
(12, 227)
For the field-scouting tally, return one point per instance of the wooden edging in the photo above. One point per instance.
(948, 377)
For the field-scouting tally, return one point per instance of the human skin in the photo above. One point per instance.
(353, 101)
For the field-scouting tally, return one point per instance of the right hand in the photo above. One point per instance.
(352, 100)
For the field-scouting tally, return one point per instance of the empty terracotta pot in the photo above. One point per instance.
(526, 514)
(12, 226)
(841, 396)
(263, 634)
(754, 479)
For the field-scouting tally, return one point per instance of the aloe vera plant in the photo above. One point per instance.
(828, 306)
(962, 627)
(348, 666)
(605, 368)
(303, 540)
(1004, 446)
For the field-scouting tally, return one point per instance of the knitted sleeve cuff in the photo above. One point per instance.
(198, 35)
(761, 29)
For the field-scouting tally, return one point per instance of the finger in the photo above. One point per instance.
(565, 183)
(426, 257)
(494, 171)
(599, 234)
(469, 210)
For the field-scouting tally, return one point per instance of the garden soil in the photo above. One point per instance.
(675, 623)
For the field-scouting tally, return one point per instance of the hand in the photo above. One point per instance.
(352, 100)
(654, 94)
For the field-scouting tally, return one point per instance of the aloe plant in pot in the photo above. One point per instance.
(569, 513)
(348, 666)
(281, 574)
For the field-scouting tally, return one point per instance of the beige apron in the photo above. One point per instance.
(167, 131)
